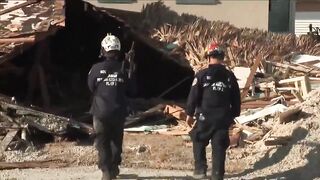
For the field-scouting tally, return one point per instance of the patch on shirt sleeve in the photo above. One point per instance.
(194, 82)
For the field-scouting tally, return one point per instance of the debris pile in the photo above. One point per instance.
(19, 123)
(275, 72)
(26, 22)
(187, 36)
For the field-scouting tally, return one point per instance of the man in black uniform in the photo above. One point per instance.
(107, 81)
(214, 99)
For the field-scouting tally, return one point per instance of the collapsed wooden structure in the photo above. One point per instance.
(272, 83)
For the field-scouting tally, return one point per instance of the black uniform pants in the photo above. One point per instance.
(108, 142)
(201, 136)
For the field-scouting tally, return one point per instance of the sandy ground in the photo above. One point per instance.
(90, 173)
(93, 173)
(168, 157)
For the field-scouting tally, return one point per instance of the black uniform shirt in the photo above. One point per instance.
(215, 94)
(108, 84)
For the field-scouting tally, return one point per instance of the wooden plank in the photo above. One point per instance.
(29, 2)
(7, 139)
(260, 114)
(287, 89)
(251, 76)
(30, 39)
(32, 164)
(305, 86)
(155, 111)
(291, 80)
(296, 68)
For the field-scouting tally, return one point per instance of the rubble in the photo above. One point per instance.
(16, 120)
(279, 101)
(193, 34)
(25, 22)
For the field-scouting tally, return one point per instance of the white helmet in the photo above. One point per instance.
(111, 42)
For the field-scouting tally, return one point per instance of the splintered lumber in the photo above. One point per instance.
(192, 34)
(175, 111)
(310, 71)
(32, 164)
(50, 123)
(251, 76)
(7, 139)
(289, 114)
